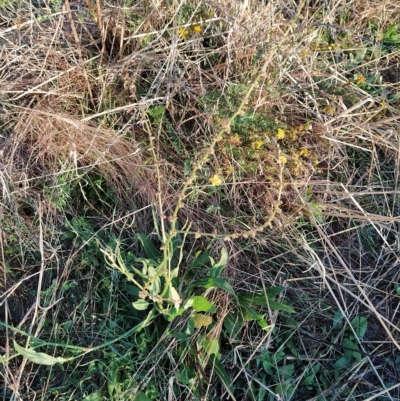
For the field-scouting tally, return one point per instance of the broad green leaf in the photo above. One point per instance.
(151, 251)
(39, 358)
(175, 297)
(343, 362)
(282, 307)
(233, 323)
(260, 300)
(210, 282)
(140, 396)
(97, 396)
(200, 304)
(273, 292)
(190, 326)
(349, 348)
(151, 271)
(292, 348)
(210, 346)
(263, 324)
(397, 289)
(308, 380)
(224, 377)
(337, 320)
(155, 287)
(140, 304)
(200, 260)
(201, 320)
(249, 313)
(217, 268)
(359, 325)
(131, 289)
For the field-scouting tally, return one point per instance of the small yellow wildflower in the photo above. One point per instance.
(304, 53)
(282, 159)
(280, 134)
(304, 152)
(257, 144)
(334, 46)
(360, 79)
(183, 33)
(197, 29)
(329, 110)
(216, 180)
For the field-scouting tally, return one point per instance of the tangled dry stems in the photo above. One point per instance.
(76, 90)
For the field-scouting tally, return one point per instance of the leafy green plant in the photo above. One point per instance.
(156, 282)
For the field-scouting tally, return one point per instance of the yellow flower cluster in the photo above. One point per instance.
(185, 32)
(257, 144)
(282, 159)
(360, 79)
(197, 29)
(216, 180)
(280, 134)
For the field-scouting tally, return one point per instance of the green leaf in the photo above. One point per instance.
(337, 320)
(200, 304)
(274, 291)
(359, 325)
(282, 307)
(175, 297)
(39, 358)
(224, 377)
(151, 251)
(201, 320)
(343, 362)
(211, 346)
(217, 268)
(249, 313)
(97, 396)
(308, 380)
(210, 282)
(131, 289)
(140, 396)
(349, 347)
(397, 289)
(263, 324)
(233, 323)
(140, 304)
(190, 326)
(176, 250)
(200, 260)
(260, 300)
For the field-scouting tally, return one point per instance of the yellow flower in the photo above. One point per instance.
(280, 134)
(197, 29)
(360, 79)
(183, 33)
(216, 180)
(304, 152)
(304, 53)
(329, 110)
(257, 144)
(282, 159)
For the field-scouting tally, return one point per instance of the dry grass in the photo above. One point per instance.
(105, 109)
